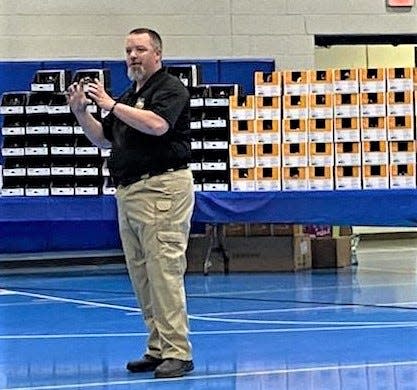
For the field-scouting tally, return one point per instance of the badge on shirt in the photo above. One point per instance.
(140, 103)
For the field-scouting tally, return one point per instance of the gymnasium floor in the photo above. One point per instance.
(331, 329)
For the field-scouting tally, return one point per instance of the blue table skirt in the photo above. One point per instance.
(82, 222)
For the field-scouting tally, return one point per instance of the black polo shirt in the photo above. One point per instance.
(134, 153)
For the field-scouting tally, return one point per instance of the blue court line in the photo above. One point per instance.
(220, 376)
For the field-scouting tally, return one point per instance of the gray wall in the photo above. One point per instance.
(283, 29)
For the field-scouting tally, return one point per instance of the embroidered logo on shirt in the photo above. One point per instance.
(140, 103)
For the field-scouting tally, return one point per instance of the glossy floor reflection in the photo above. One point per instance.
(308, 330)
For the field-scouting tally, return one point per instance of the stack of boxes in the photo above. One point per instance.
(341, 129)
(45, 150)
(268, 91)
(295, 130)
(210, 128)
(400, 122)
(242, 143)
(320, 131)
(372, 90)
(347, 134)
(216, 129)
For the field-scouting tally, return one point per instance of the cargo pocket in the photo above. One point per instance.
(171, 251)
(162, 208)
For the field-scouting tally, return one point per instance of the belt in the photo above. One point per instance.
(150, 174)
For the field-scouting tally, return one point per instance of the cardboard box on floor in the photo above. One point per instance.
(252, 254)
(198, 247)
(268, 254)
(330, 252)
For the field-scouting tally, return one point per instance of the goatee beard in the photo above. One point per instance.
(135, 75)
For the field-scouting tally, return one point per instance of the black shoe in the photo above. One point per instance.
(172, 368)
(147, 363)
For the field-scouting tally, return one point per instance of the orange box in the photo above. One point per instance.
(375, 170)
(242, 156)
(242, 107)
(320, 125)
(320, 130)
(268, 102)
(242, 179)
(403, 176)
(295, 179)
(346, 74)
(294, 130)
(321, 76)
(268, 173)
(268, 107)
(267, 150)
(348, 178)
(242, 131)
(268, 131)
(351, 123)
(372, 80)
(242, 101)
(295, 106)
(320, 106)
(321, 81)
(374, 128)
(294, 155)
(268, 179)
(374, 146)
(401, 97)
(399, 73)
(400, 79)
(394, 122)
(402, 146)
(296, 82)
(321, 178)
(347, 129)
(294, 173)
(402, 152)
(341, 99)
(348, 171)
(268, 83)
(295, 101)
(348, 147)
(346, 80)
(320, 100)
(321, 154)
(267, 155)
(348, 153)
(368, 98)
(321, 150)
(325, 172)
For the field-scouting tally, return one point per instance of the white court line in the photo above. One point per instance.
(226, 313)
(6, 292)
(286, 290)
(76, 301)
(214, 319)
(286, 322)
(220, 376)
(209, 332)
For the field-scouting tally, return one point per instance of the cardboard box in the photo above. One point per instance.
(329, 252)
(268, 254)
(197, 250)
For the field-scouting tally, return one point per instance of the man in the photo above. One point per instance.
(148, 131)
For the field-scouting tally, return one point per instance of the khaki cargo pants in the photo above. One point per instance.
(154, 223)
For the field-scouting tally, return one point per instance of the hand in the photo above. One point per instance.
(77, 99)
(96, 91)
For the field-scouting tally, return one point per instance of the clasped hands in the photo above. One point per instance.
(85, 92)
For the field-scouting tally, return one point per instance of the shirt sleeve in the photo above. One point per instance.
(107, 124)
(170, 102)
